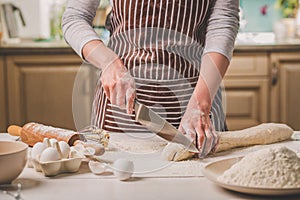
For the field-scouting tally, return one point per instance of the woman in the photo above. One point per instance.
(170, 55)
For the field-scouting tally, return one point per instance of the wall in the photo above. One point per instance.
(36, 15)
(256, 19)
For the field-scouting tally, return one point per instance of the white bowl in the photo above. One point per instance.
(13, 158)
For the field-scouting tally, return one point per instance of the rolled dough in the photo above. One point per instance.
(266, 133)
(175, 152)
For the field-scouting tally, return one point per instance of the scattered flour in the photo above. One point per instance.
(146, 155)
(135, 143)
(277, 167)
(139, 146)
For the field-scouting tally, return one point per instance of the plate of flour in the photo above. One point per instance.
(270, 171)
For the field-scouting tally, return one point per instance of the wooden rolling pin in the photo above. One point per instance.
(32, 133)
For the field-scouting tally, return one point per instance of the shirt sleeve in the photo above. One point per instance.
(77, 23)
(222, 27)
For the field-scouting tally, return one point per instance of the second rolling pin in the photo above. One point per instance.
(32, 133)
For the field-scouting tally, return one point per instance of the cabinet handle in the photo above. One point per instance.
(274, 74)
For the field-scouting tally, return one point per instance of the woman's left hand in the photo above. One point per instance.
(196, 122)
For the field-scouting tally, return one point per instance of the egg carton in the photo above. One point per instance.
(52, 157)
(53, 168)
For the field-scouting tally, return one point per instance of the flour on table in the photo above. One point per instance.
(277, 167)
(136, 143)
(140, 147)
(145, 151)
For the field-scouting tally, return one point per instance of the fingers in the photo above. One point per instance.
(207, 138)
(206, 146)
(130, 93)
(113, 96)
(130, 97)
(216, 139)
(106, 91)
(212, 134)
(119, 87)
(121, 99)
(201, 139)
(187, 129)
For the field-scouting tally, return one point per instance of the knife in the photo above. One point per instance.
(155, 123)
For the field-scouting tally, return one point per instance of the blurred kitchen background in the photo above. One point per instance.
(42, 19)
(39, 79)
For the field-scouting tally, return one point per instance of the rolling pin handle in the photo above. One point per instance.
(14, 130)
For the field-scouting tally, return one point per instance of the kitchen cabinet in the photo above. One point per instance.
(246, 103)
(39, 88)
(3, 111)
(246, 90)
(262, 84)
(285, 91)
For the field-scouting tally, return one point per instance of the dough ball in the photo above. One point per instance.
(175, 152)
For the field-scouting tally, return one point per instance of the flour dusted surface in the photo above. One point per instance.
(277, 167)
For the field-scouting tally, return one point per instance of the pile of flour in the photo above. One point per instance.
(276, 167)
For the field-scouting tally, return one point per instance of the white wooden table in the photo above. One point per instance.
(84, 185)
(135, 189)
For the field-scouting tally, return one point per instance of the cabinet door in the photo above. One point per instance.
(246, 90)
(245, 102)
(40, 89)
(3, 111)
(248, 65)
(286, 91)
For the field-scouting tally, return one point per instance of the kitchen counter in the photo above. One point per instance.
(245, 42)
(84, 185)
(288, 46)
(264, 42)
(27, 46)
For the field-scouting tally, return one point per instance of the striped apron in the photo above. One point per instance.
(161, 44)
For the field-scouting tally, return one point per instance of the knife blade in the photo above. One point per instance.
(155, 123)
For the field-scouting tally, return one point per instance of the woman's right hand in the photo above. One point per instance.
(118, 84)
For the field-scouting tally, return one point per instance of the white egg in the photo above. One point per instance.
(89, 151)
(64, 148)
(29, 158)
(75, 154)
(85, 151)
(49, 154)
(123, 169)
(46, 141)
(52, 141)
(79, 147)
(37, 150)
(99, 148)
(97, 167)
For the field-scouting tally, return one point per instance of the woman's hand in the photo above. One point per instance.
(196, 122)
(118, 84)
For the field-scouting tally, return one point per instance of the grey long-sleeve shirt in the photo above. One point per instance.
(222, 25)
